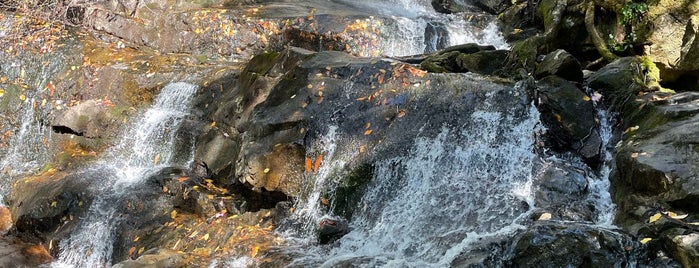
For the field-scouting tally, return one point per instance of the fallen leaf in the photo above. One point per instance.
(545, 217)
(309, 164)
(558, 117)
(676, 216)
(141, 250)
(2, 92)
(655, 217)
(254, 251)
(401, 113)
(54, 203)
(586, 98)
(319, 160)
(646, 240)
(368, 132)
(173, 214)
(213, 124)
(136, 239)
(156, 159)
(206, 237)
(22, 97)
(181, 179)
(132, 250)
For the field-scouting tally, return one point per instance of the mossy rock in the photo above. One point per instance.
(351, 189)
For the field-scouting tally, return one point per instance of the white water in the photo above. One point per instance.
(599, 185)
(27, 149)
(146, 147)
(470, 182)
(406, 36)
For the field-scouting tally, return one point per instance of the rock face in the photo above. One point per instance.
(571, 245)
(655, 178)
(569, 115)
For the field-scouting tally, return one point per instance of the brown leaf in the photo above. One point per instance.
(368, 132)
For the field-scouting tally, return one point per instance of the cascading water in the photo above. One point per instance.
(418, 29)
(148, 146)
(27, 149)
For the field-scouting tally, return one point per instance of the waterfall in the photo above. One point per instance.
(599, 186)
(414, 27)
(149, 145)
(469, 181)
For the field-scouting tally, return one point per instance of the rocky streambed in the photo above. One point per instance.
(293, 134)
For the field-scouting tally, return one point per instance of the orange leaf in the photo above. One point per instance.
(319, 160)
(368, 132)
(309, 164)
(132, 250)
(181, 179)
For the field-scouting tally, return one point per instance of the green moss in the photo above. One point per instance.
(351, 189)
(652, 75)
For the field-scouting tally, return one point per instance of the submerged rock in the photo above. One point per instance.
(330, 230)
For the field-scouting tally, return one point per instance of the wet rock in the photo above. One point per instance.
(452, 6)
(568, 114)
(685, 249)
(465, 58)
(43, 207)
(330, 230)
(15, 253)
(483, 62)
(565, 245)
(436, 37)
(155, 258)
(562, 64)
(618, 80)
(349, 192)
(90, 119)
(563, 193)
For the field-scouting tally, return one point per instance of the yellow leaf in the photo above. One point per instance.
(368, 132)
(646, 240)
(206, 237)
(586, 98)
(2, 92)
(254, 252)
(655, 217)
(54, 203)
(22, 97)
(173, 214)
(213, 124)
(676, 216)
(141, 250)
(367, 125)
(136, 239)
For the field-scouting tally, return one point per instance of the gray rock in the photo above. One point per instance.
(570, 245)
(561, 64)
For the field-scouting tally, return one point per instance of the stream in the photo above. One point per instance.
(457, 177)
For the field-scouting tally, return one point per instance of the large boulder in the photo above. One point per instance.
(561, 64)
(465, 58)
(562, 192)
(570, 245)
(569, 115)
(455, 6)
